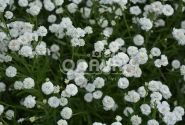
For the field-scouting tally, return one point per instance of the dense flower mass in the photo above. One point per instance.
(92, 62)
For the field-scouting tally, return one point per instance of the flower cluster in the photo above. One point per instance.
(75, 62)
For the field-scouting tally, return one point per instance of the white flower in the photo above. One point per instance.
(99, 82)
(27, 37)
(176, 64)
(179, 110)
(62, 122)
(140, 58)
(165, 91)
(9, 114)
(113, 22)
(54, 102)
(123, 83)
(130, 70)
(88, 97)
(76, 1)
(26, 51)
(159, 23)
(14, 45)
(11, 71)
(56, 89)
(65, 94)
(14, 33)
(118, 118)
(138, 40)
(119, 59)
(157, 63)
(2, 87)
(136, 120)
(169, 118)
(103, 23)
(182, 70)
(183, 24)
(54, 48)
(146, 24)
(145, 109)
(29, 101)
(108, 31)
(107, 52)
(1, 109)
(108, 102)
(132, 96)
(2, 36)
(164, 60)
(77, 42)
(86, 14)
(116, 123)
(179, 35)
(97, 123)
(99, 46)
(155, 51)
(47, 88)
(114, 46)
(119, 12)
(82, 66)
(52, 18)
(134, 1)
(167, 10)
(90, 87)
(132, 50)
(66, 113)
(97, 94)
(76, 32)
(72, 7)
(142, 91)
(58, 2)
(42, 31)
(71, 74)
(28, 83)
(135, 10)
(71, 89)
(106, 69)
(34, 10)
(48, 5)
(128, 111)
(152, 122)
(23, 3)
(66, 22)
(18, 85)
(163, 107)
(63, 101)
(8, 15)
(179, 113)
(156, 96)
(88, 30)
(156, 7)
(120, 41)
(41, 48)
(154, 85)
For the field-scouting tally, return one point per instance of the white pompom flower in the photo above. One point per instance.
(47, 88)
(29, 101)
(11, 71)
(66, 113)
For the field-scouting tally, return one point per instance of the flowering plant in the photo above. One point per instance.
(92, 62)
